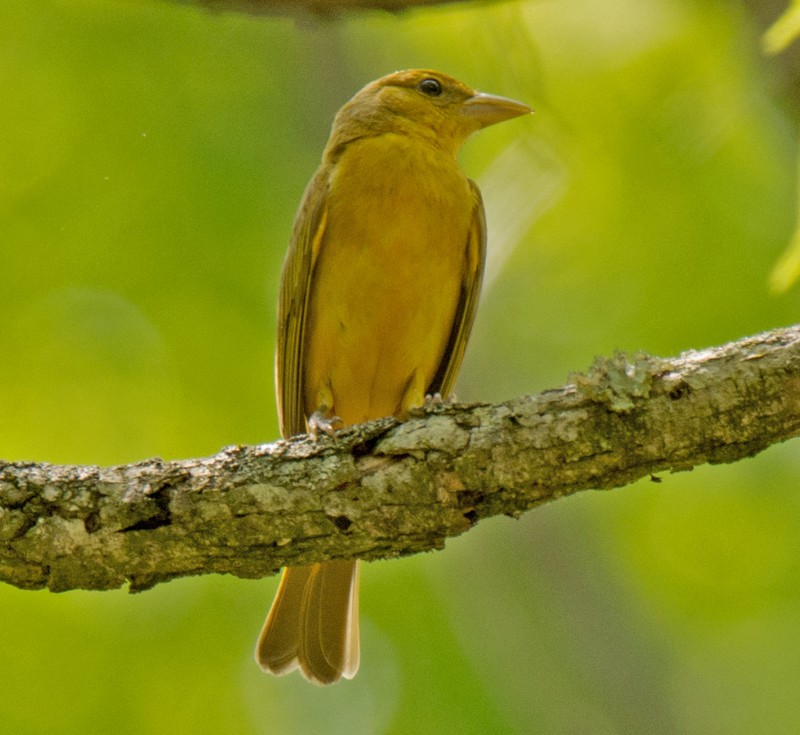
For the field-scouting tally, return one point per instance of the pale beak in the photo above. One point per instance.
(488, 109)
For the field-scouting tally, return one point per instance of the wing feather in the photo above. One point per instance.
(471, 280)
(307, 236)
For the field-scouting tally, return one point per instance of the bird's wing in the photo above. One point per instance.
(467, 303)
(307, 235)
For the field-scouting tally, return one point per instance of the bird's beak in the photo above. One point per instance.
(488, 109)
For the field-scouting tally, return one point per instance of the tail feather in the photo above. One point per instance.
(313, 623)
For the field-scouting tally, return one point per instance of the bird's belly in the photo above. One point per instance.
(385, 291)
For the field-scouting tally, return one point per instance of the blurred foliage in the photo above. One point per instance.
(151, 163)
(777, 38)
(784, 30)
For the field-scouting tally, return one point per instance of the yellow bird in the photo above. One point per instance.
(377, 299)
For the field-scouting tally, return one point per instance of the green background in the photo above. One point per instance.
(151, 160)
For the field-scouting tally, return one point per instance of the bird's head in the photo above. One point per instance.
(424, 103)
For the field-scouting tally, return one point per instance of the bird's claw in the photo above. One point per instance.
(432, 400)
(320, 421)
(430, 403)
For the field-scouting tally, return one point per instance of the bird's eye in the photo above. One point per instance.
(431, 87)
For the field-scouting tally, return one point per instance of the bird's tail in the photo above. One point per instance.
(313, 623)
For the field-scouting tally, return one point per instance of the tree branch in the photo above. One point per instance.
(320, 8)
(386, 488)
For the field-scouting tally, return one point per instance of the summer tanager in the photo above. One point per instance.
(377, 300)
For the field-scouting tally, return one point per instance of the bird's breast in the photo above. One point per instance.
(388, 276)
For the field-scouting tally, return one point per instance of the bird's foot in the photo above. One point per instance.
(430, 403)
(432, 400)
(320, 421)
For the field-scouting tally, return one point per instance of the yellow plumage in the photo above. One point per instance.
(378, 296)
(388, 278)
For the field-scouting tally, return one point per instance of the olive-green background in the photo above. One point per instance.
(151, 160)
